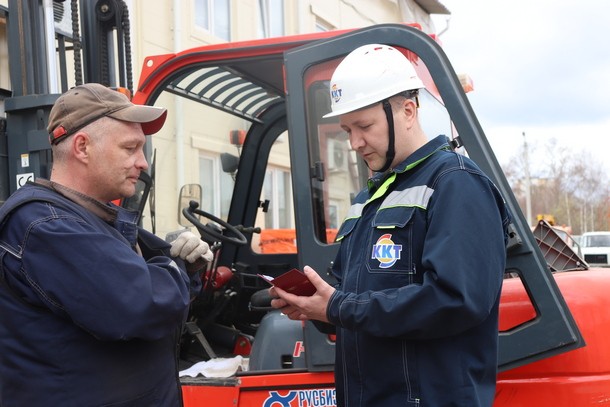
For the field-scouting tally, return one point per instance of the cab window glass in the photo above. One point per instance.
(276, 215)
(339, 173)
(433, 116)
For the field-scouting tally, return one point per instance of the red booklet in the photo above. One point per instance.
(293, 281)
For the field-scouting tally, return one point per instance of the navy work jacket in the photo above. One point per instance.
(420, 270)
(84, 319)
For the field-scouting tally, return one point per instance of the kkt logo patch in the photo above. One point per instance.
(386, 252)
(335, 92)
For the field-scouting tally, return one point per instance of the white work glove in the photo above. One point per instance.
(191, 248)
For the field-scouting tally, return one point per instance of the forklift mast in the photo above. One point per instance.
(38, 63)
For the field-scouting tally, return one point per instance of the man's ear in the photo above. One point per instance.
(409, 108)
(81, 146)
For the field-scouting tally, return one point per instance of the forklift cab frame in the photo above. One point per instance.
(278, 86)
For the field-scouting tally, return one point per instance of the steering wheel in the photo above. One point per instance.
(189, 213)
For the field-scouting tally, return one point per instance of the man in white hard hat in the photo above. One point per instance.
(422, 253)
(91, 306)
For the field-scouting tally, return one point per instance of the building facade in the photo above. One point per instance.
(189, 151)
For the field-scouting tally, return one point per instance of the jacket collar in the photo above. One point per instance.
(418, 156)
(106, 213)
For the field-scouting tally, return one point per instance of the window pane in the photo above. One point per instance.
(226, 192)
(433, 115)
(270, 18)
(344, 172)
(221, 19)
(202, 13)
(206, 179)
(262, 19)
(276, 18)
(283, 199)
(333, 219)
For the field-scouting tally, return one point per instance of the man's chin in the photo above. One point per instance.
(128, 191)
(372, 165)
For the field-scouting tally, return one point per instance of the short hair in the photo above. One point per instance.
(94, 129)
(396, 100)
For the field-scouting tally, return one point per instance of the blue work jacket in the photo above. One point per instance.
(84, 319)
(420, 270)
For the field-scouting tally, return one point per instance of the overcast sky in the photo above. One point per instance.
(539, 66)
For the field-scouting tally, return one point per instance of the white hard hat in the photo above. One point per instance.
(370, 74)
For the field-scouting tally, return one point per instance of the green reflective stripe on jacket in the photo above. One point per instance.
(418, 196)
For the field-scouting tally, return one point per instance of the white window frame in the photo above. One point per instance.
(268, 23)
(211, 25)
(323, 25)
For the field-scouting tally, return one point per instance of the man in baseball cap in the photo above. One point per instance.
(108, 298)
(86, 103)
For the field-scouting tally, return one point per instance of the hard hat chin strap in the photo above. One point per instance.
(387, 108)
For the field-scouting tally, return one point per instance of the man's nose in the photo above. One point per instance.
(355, 140)
(141, 162)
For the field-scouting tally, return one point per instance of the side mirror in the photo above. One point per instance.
(188, 193)
(229, 163)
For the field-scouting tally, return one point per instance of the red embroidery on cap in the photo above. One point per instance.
(58, 132)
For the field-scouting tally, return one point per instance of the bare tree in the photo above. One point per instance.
(570, 185)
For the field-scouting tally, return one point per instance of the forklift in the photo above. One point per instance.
(272, 94)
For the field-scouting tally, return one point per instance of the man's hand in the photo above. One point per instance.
(302, 307)
(191, 248)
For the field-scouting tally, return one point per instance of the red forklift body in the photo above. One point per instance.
(577, 378)
(296, 389)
